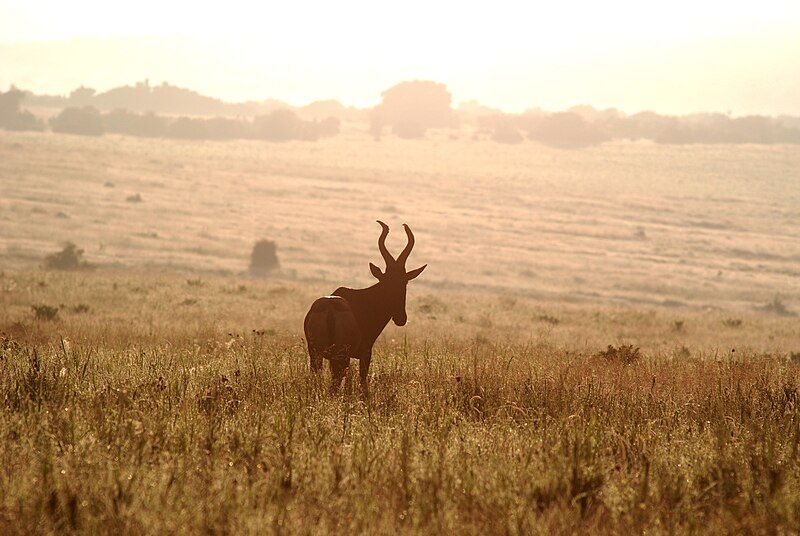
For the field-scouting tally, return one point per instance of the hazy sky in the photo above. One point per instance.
(675, 57)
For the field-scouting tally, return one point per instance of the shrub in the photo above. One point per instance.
(283, 125)
(625, 354)
(547, 319)
(220, 128)
(84, 121)
(69, 258)
(187, 128)
(12, 117)
(124, 122)
(45, 312)
(264, 258)
(777, 307)
(566, 130)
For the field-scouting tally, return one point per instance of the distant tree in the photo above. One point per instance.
(10, 101)
(264, 258)
(411, 107)
(85, 121)
(187, 128)
(326, 109)
(408, 130)
(69, 258)
(144, 125)
(163, 98)
(12, 117)
(221, 128)
(81, 96)
(506, 133)
(283, 125)
(566, 130)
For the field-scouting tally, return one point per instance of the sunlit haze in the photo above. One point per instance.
(674, 57)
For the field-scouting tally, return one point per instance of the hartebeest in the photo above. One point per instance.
(346, 324)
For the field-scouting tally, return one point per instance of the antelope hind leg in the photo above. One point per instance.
(338, 371)
(315, 360)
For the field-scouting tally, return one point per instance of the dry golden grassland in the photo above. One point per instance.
(170, 393)
(633, 223)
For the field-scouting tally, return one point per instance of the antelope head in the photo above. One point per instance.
(395, 278)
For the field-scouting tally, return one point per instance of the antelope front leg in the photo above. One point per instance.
(363, 371)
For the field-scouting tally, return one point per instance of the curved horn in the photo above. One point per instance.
(404, 255)
(387, 257)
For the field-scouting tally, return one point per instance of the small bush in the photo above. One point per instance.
(547, 319)
(776, 307)
(131, 124)
(284, 125)
(732, 322)
(187, 128)
(84, 121)
(264, 258)
(45, 312)
(69, 258)
(12, 117)
(625, 354)
(80, 309)
(135, 198)
(566, 130)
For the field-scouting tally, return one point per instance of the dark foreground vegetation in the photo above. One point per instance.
(163, 405)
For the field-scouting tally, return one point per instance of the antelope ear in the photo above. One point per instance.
(376, 271)
(414, 273)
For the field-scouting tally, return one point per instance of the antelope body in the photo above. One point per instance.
(346, 324)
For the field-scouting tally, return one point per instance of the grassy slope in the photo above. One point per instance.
(720, 224)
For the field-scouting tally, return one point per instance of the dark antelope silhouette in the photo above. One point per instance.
(346, 324)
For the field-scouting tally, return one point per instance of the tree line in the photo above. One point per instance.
(407, 110)
(278, 125)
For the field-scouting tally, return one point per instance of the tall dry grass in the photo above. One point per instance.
(142, 412)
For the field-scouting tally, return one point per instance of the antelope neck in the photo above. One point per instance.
(371, 308)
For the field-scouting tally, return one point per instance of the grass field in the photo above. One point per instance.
(170, 392)
(628, 223)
